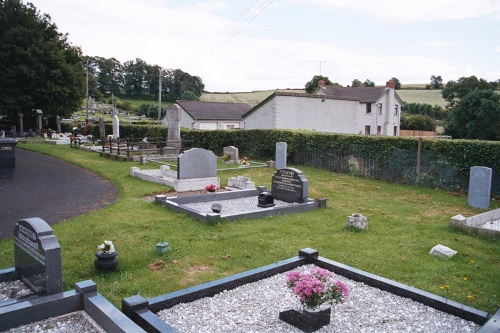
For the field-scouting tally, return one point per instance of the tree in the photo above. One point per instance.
(435, 112)
(189, 96)
(436, 82)
(40, 69)
(475, 116)
(313, 84)
(369, 83)
(397, 83)
(356, 83)
(417, 122)
(455, 91)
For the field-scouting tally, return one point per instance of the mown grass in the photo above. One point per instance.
(405, 222)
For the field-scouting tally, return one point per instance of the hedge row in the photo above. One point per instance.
(443, 163)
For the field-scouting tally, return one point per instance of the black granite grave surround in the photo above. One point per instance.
(143, 311)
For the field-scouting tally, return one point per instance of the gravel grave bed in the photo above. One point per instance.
(255, 308)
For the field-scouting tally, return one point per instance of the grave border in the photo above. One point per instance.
(84, 297)
(143, 311)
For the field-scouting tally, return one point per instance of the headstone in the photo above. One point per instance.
(442, 251)
(116, 127)
(21, 129)
(38, 114)
(233, 152)
(479, 187)
(281, 155)
(37, 256)
(58, 124)
(290, 185)
(174, 141)
(358, 221)
(240, 182)
(102, 129)
(197, 163)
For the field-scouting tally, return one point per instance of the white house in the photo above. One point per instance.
(210, 115)
(379, 108)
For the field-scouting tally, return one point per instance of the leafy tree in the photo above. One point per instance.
(313, 84)
(417, 122)
(435, 112)
(369, 83)
(177, 82)
(189, 96)
(475, 116)
(436, 82)
(455, 91)
(397, 83)
(356, 83)
(40, 68)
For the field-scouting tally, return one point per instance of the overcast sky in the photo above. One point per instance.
(247, 45)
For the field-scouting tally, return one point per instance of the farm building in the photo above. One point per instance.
(210, 115)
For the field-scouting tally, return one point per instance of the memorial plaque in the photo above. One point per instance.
(479, 187)
(290, 185)
(37, 256)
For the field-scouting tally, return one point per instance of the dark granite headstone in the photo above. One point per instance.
(290, 185)
(37, 256)
(480, 187)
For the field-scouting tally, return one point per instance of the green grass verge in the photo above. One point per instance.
(405, 222)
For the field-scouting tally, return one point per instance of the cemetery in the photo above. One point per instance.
(287, 197)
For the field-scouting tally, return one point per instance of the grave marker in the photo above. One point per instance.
(281, 155)
(37, 256)
(290, 185)
(116, 127)
(197, 163)
(102, 129)
(58, 124)
(479, 187)
(174, 140)
(233, 152)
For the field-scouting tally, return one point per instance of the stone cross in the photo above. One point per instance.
(174, 140)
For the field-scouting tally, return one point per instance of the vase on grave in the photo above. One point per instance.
(307, 319)
(106, 261)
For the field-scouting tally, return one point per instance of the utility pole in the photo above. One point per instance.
(87, 79)
(159, 97)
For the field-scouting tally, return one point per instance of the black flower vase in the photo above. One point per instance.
(106, 261)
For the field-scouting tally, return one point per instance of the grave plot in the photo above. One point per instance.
(487, 223)
(289, 194)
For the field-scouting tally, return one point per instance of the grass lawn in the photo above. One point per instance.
(405, 222)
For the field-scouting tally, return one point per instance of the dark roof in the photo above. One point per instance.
(214, 110)
(365, 94)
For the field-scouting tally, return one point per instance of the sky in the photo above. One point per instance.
(249, 45)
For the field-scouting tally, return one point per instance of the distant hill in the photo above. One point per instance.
(415, 93)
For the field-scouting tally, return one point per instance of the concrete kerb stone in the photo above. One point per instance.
(143, 311)
(84, 297)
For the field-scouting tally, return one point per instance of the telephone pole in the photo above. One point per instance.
(159, 97)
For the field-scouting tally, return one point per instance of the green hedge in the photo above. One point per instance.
(444, 163)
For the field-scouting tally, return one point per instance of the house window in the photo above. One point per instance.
(379, 130)
(367, 130)
(395, 131)
(368, 107)
(396, 109)
(379, 108)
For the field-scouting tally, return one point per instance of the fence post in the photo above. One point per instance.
(419, 160)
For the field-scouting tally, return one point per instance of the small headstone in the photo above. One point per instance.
(58, 124)
(38, 256)
(233, 152)
(442, 251)
(116, 127)
(39, 114)
(102, 129)
(197, 163)
(281, 155)
(479, 187)
(265, 200)
(358, 221)
(290, 185)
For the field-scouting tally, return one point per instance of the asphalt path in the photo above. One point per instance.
(50, 189)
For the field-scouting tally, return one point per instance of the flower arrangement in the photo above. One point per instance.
(211, 188)
(316, 287)
(245, 161)
(107, 247)
(226, 158)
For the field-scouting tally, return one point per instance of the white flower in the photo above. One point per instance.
(107, 247)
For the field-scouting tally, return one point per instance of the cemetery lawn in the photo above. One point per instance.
(405, 222)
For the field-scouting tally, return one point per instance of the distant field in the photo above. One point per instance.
(432, 97)
(253, 98)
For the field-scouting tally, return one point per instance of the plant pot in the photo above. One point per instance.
(307, 320)
(105, 261)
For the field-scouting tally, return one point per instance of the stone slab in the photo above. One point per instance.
(480, 187)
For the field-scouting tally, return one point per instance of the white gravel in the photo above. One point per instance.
(494, 225)
(255, 308)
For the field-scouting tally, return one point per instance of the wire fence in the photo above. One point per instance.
(404, 166)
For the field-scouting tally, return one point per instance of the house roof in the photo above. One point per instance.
(214, 110)
(365, 94)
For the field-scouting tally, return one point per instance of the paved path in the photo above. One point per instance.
(50, 189)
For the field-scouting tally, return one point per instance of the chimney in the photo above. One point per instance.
(390, 84)
(321, 83)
